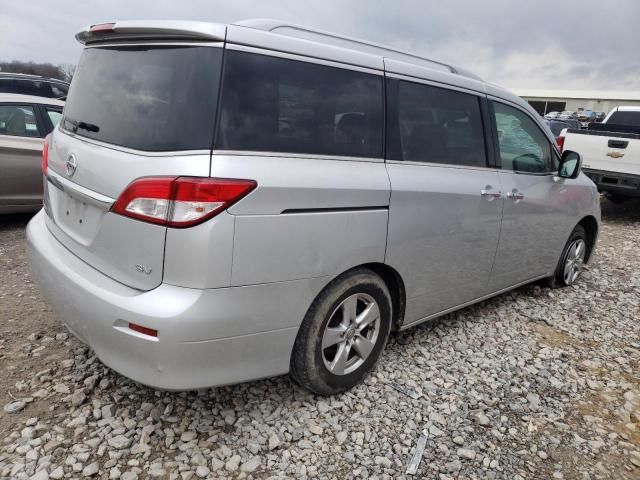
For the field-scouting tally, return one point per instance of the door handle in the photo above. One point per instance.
(487, 192)
(515, 195)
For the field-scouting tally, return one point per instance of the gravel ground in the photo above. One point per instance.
(532, 384)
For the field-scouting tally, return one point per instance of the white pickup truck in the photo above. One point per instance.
(611, 152)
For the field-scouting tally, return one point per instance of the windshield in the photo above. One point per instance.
(146, 97)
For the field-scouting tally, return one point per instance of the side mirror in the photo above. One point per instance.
(570, 164)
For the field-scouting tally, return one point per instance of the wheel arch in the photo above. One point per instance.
(590, 225)
(395, 284)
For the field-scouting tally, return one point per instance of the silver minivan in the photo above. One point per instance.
(230, 202)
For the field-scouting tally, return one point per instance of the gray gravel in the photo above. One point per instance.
(532, 384)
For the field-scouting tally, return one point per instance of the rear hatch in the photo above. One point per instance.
(133, 110)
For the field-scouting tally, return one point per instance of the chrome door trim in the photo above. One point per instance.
(471, 302)
(440, 165)
(102, 201)
(309, 156)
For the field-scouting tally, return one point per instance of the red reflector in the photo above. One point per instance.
(147, 331)
(560, 142)
(45, 154)
(102, 27)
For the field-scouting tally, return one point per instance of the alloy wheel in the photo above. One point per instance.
(574, 261)
(350, 334)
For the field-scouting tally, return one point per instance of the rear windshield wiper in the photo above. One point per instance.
(89, 127)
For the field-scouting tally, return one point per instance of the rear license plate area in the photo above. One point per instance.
(75, 216)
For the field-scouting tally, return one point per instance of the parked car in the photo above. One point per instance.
(567, 115)
(33, 85)
(600, 116)
(291, 241)
(571, 123)
(552, 115)
(585, 117)
(611, 151)
(559, 130)
(24, 122)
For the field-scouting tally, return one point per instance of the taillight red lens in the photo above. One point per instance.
(147, 199)
(45, 155)
(180, 202)
(560, 142)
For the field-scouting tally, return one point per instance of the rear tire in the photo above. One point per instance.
(343, 334)
(571, 261)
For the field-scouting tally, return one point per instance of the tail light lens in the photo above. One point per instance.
(45, 155)
(560, 139)
(102, 27)
(180, 202)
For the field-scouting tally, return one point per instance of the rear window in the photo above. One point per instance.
(152, 98)
(281, 105)
(629, 119)
(38, 88)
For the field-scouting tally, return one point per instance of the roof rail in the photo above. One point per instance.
(270, 25)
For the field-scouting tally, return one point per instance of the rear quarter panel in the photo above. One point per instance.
(308, 217)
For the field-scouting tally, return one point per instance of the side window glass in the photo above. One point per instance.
(54, 116)
(523, 146)
(282, 105)
(58, 90)
(18, 120)
(437, 125)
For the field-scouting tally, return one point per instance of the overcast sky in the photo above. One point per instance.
(559, 44)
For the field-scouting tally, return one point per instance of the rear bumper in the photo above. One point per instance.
(615, 182)
(205, 337)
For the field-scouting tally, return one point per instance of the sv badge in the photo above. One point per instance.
(142, 269)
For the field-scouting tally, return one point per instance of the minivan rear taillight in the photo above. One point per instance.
(45, 154)
(180, 202)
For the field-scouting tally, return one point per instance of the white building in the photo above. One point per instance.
(545, 101)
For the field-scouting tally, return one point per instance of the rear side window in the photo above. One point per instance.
(153, 98)
(18, 120)
(279, 105)
(38, 88)
(432, 124)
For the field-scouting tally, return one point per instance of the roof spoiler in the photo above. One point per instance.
(152, 30)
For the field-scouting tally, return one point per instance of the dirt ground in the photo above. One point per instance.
(25, 317)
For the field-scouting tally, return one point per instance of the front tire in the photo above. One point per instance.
(343, 334)
(571, 261)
